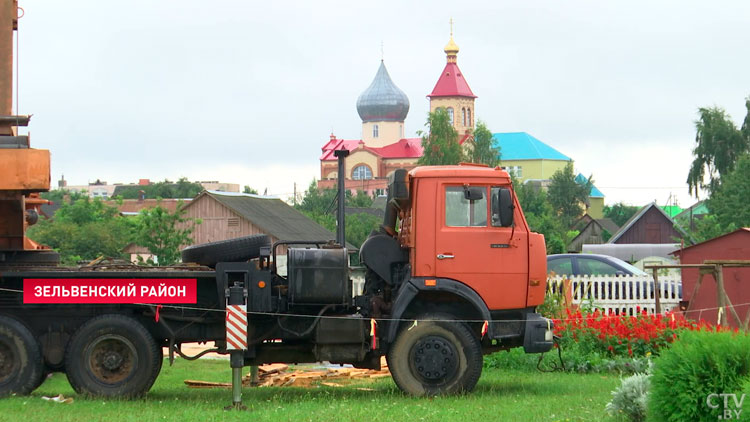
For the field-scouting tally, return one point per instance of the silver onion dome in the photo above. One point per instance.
(382, 100)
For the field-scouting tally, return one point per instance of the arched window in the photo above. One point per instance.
(463, 111)
(361, 172)
(374, 131)
(468, 116)
(450, 114)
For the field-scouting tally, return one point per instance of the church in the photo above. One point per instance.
(383, 108)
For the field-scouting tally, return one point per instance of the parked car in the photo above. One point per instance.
(593, 264)
(589, 264)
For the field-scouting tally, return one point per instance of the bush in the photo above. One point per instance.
(630, 399)
(701, 363)
(576, 359)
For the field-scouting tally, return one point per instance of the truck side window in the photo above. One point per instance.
(461, 212)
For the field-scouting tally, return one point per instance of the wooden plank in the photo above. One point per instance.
(207, 384)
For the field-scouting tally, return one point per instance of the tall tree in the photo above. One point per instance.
(163, 233)
(84, 230)
(483, 151)
(567, 196)
(540, 216)
(248, 189)
(746, 123)
(718, 146)
(728, 203)
(440, 143)
(165, 189)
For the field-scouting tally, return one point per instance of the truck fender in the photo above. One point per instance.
(411, 289)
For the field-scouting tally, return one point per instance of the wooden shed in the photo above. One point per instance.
(592, 231)
(649, 225)
(227, 215)
(731, 246)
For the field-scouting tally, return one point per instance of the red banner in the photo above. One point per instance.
(111, 290)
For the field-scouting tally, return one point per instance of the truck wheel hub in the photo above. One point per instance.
(112, 359)
(434, 358)
(6, 362)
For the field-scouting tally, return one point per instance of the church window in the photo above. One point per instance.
(374, 131)
(463, 111)
(468, 117)
(361, 172)
(450, 114)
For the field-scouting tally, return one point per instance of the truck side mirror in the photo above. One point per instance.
(473, 193)
(502, 207)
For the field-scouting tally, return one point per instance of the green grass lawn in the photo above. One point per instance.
(500, 396)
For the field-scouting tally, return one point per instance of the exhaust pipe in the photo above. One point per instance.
(341, 154)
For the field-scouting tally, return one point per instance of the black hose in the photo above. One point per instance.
(312, 326)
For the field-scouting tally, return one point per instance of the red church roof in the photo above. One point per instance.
(452, 83)
(404, 148)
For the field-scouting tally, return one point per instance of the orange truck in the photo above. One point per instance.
(453, 273)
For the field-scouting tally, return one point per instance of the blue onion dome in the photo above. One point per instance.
(383, 100)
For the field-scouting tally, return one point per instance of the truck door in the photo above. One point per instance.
(471, 248)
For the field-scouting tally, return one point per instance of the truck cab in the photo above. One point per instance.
(455, 256)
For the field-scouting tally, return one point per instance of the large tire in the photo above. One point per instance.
(112, 356)
(230, 250)
(21, 362)
(436, 357)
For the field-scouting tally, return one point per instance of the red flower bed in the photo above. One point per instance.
(621, 335)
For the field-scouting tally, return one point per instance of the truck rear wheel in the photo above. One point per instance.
(112, 356)
(436, 357)
(21, 363)
(230, 250)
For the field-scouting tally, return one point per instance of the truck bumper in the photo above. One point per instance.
(538, 335)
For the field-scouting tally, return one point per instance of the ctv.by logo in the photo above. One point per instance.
(714, 402)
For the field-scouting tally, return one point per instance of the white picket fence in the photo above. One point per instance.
(620, 294)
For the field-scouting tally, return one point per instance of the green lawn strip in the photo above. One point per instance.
(500, 395)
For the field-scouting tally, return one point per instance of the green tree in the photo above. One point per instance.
(746, 123)
(163, 233)
(248, 189)
(718, 146)
(540, 216)
(440, 143)
(58, 196)
(165, 189)
(728, 203)
(320, 206)
(359, 226)
(566, 195)
(483, 151)
(620, 212)
(360, 200)
(84, 230)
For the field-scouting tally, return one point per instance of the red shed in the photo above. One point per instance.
(735, 246)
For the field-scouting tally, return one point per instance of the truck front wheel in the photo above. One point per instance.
(21, 363)
(436, 356)
(112, 356)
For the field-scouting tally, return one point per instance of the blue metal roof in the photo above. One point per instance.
(595, 192)
(522, 146)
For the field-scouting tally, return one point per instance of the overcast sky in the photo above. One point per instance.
(248, 92)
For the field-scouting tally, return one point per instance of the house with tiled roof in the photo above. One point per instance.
(383, 107)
